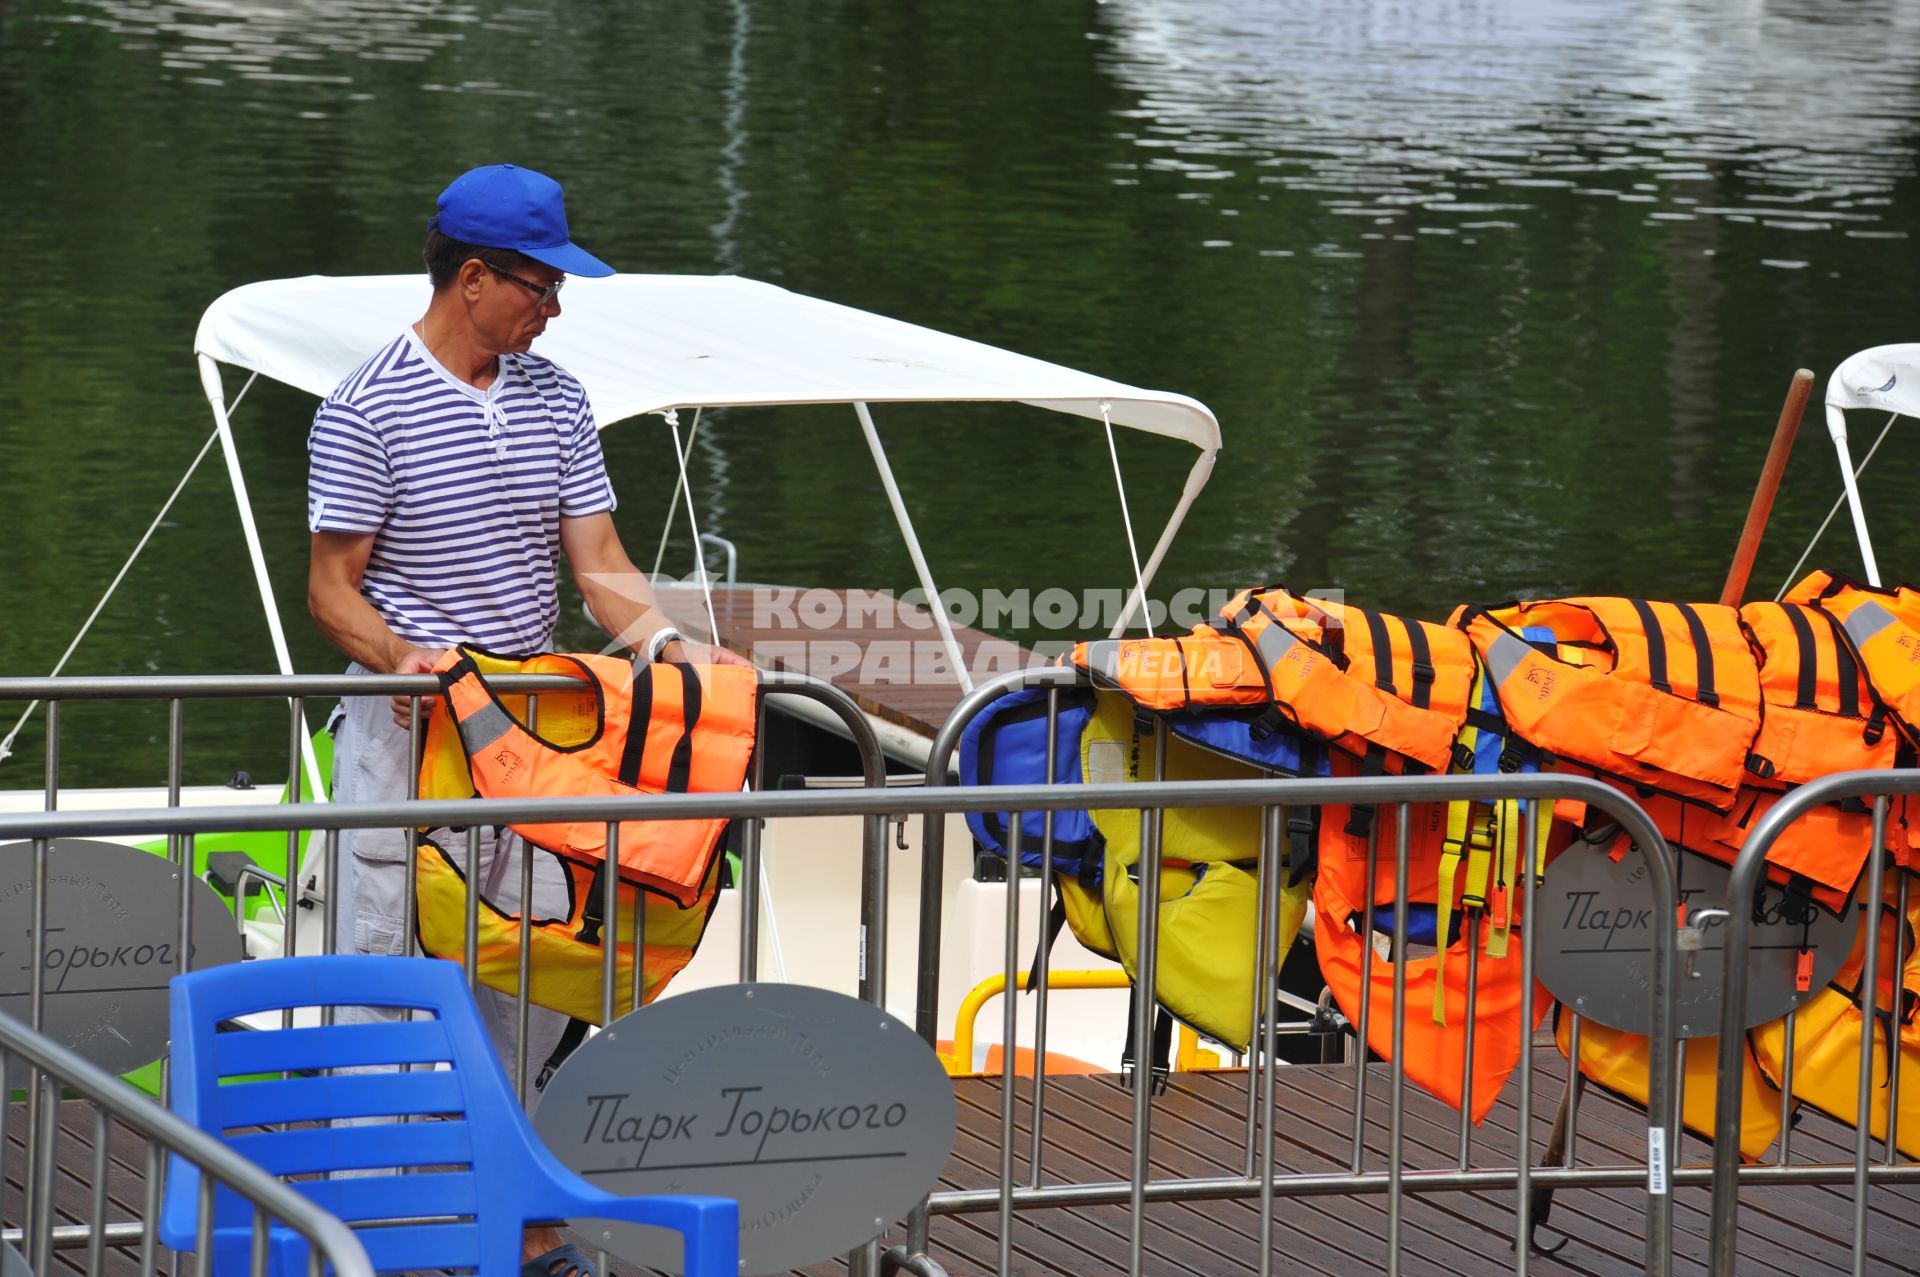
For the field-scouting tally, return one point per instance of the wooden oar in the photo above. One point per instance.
(1769, 485)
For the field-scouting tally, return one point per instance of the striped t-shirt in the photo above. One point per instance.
(462, 488)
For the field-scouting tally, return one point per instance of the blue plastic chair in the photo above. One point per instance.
(475, 1158)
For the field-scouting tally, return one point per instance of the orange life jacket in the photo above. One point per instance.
(1882, 628)
(1821, 716)
(1381, 687)
(637, 729)
(1435, 1052)
(1666, 697)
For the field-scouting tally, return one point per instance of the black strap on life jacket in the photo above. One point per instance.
(1702, 654)
(592, 916)
(1049, 932)
(639, 714)
(570, 1039)
(1806, 693)
(633, 755)
(1656, 646)
(1849, 678)
(1162, 1067)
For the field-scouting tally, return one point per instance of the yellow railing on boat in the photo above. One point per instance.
(957, 1056)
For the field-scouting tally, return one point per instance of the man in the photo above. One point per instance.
(448, 474)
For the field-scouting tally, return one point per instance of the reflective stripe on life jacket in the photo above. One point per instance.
(1821, 715)
(567, 955)
(653, 729)
(1375, 685)
(1667, 698)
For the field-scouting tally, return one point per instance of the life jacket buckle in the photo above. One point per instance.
(1876, 726)
(1710, 699)
(1462, 757)
(1265, 724)
(1423, 673)
(1760, 766)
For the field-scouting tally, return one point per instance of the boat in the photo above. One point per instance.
(658, 351)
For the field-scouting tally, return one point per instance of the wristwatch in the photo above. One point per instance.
(661, 637)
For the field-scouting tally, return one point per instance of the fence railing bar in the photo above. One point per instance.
(1043, 964)
(1749, 866)
(1357, 1162)
(1009, 1039)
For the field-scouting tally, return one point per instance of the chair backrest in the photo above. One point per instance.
(442, 1136)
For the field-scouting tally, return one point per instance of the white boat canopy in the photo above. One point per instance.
(1883, 377)
(653, 343)
(644, 344)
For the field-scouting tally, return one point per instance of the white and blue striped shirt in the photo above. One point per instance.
(462, 488)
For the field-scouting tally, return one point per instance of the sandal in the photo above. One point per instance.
(567, 1260)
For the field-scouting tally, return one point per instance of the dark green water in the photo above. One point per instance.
(1491, 298)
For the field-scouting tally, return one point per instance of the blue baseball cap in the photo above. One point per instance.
(505, 206)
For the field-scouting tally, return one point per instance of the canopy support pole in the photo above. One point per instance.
(216, 397)
(934, 605)
(1196, 480)
(1837, 427)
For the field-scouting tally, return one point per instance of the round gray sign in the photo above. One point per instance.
(1595, 923)
(825, 1117)
(113, 940)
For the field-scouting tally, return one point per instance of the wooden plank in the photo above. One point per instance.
(885, 654)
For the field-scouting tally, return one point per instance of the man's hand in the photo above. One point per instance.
(417, 660)
(701, 654)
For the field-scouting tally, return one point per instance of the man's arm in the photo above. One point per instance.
(334, 566)
(618, 593)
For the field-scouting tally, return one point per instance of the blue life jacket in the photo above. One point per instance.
(1006, 744)
(1239, 733)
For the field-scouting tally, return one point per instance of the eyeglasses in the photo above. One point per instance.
(542, 294)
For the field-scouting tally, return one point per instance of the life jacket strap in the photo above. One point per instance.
(1162, 1063)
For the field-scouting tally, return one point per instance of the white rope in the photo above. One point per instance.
(6, 745)
(773, 927)
(1838, 501)
(660, 555)
(693, 526)
(1139, 577)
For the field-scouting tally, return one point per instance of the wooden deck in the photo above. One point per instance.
(1785, 1231)
(886, 655)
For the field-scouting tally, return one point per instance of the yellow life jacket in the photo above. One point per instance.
(637, 728)
(1826, 1034)
(1616, 1061)
(566, 964)
(1209, 899)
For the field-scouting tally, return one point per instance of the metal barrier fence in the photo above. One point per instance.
(53, 1068)
(1748, 874)
(1260, 1179)
(1263, 1183)
(179, 828)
